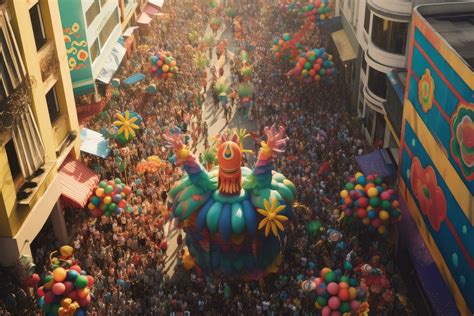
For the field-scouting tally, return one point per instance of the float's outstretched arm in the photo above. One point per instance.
(184, 157)
(270, 149)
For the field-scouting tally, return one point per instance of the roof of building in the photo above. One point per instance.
(455, 23)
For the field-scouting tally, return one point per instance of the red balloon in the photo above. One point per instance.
(301, 61)
(90, 280)
(49, 297)
(58, 288)
(317, 67)
(361, 213)
(76, 268)
(69, 287)
(319, 61)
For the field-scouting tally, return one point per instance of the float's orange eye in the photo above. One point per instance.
(228, 152)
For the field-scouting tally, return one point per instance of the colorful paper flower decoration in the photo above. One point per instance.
(126, 124)
(272, 220)
(429, 194)
(426, 91)
(462, 140)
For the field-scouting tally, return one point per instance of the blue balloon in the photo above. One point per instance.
(81, 312)
(372, 214)
(154, 60)
(41, 301)
(71, 275)
(118, 210)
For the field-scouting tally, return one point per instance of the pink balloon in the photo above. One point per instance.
(335, 313)
(73, 296)
(326, 311)
(333, 288)
(84, 302)
(355, 305)
(334, 303)
(58, 288)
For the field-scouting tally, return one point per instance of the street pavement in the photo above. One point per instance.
(216, 124)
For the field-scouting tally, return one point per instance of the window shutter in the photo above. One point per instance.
(28, 145)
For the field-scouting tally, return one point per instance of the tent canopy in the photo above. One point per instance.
(113, 62)
(344, 47)
(94, 143)
(134, 79)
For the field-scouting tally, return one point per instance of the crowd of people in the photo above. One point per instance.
(128, 254)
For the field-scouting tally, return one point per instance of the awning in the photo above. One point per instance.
(156, 3)
(151, 10)
(113, 62)
(129, 31)
(377, 162)
(77, 181)
(134, 79)
(144, 19)
(94, 143)
(344, 47)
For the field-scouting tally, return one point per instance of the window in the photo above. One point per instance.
(3, 96)
(379, 127)
(368, 122)
(389, 35)
(92, 12)
(53, 105)
(13, 162)
(38, 27)
(377, 83)
(94, 50)
(109, 26)
(5, 75)
(364, 63)
(367, 19)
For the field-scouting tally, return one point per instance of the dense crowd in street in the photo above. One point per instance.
(128, 254)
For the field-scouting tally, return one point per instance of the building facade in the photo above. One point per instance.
(38, 123)
(436, 160)
(378, 31)
(93, 38)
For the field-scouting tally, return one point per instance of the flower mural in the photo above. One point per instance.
(426, 91)
(462, 139)
(76, 48)
(428, 193)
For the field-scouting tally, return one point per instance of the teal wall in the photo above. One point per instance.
(75, 38)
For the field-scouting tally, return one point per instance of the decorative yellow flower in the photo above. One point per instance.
(272, 220)
(126, 124)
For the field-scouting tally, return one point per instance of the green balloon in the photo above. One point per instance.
(109, 189)
(117, 181)
(330, 277)
(47, 278)
(112, 206)
(374, 201)
(349, 186)
(108, 213)
(353, 282)
(344, 308)
(322, 72)
(102, 184)
(378, 180)
(312, 58)
(322, 301)
(385, 205)
(345, 278)
(307, 65)
(167, 60)
(81, 281)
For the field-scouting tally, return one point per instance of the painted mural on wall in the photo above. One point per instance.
(76, 47)
(445, 104)
(76, 42)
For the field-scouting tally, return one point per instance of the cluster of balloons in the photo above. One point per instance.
(371, 201)
(336, 294)
(162, 66)
(65, 292)
(318, 11)
(314, 65)
(110, 197)
(284, 48)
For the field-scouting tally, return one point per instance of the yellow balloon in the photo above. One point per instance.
(366, 221)
(359, 187)
(344, 194)
(352, 293)
(382, 230)
(66, 251)
(384, 215)
(358, 174)
(166, 68)
(372, 192)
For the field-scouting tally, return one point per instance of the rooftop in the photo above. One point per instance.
(455, 23)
